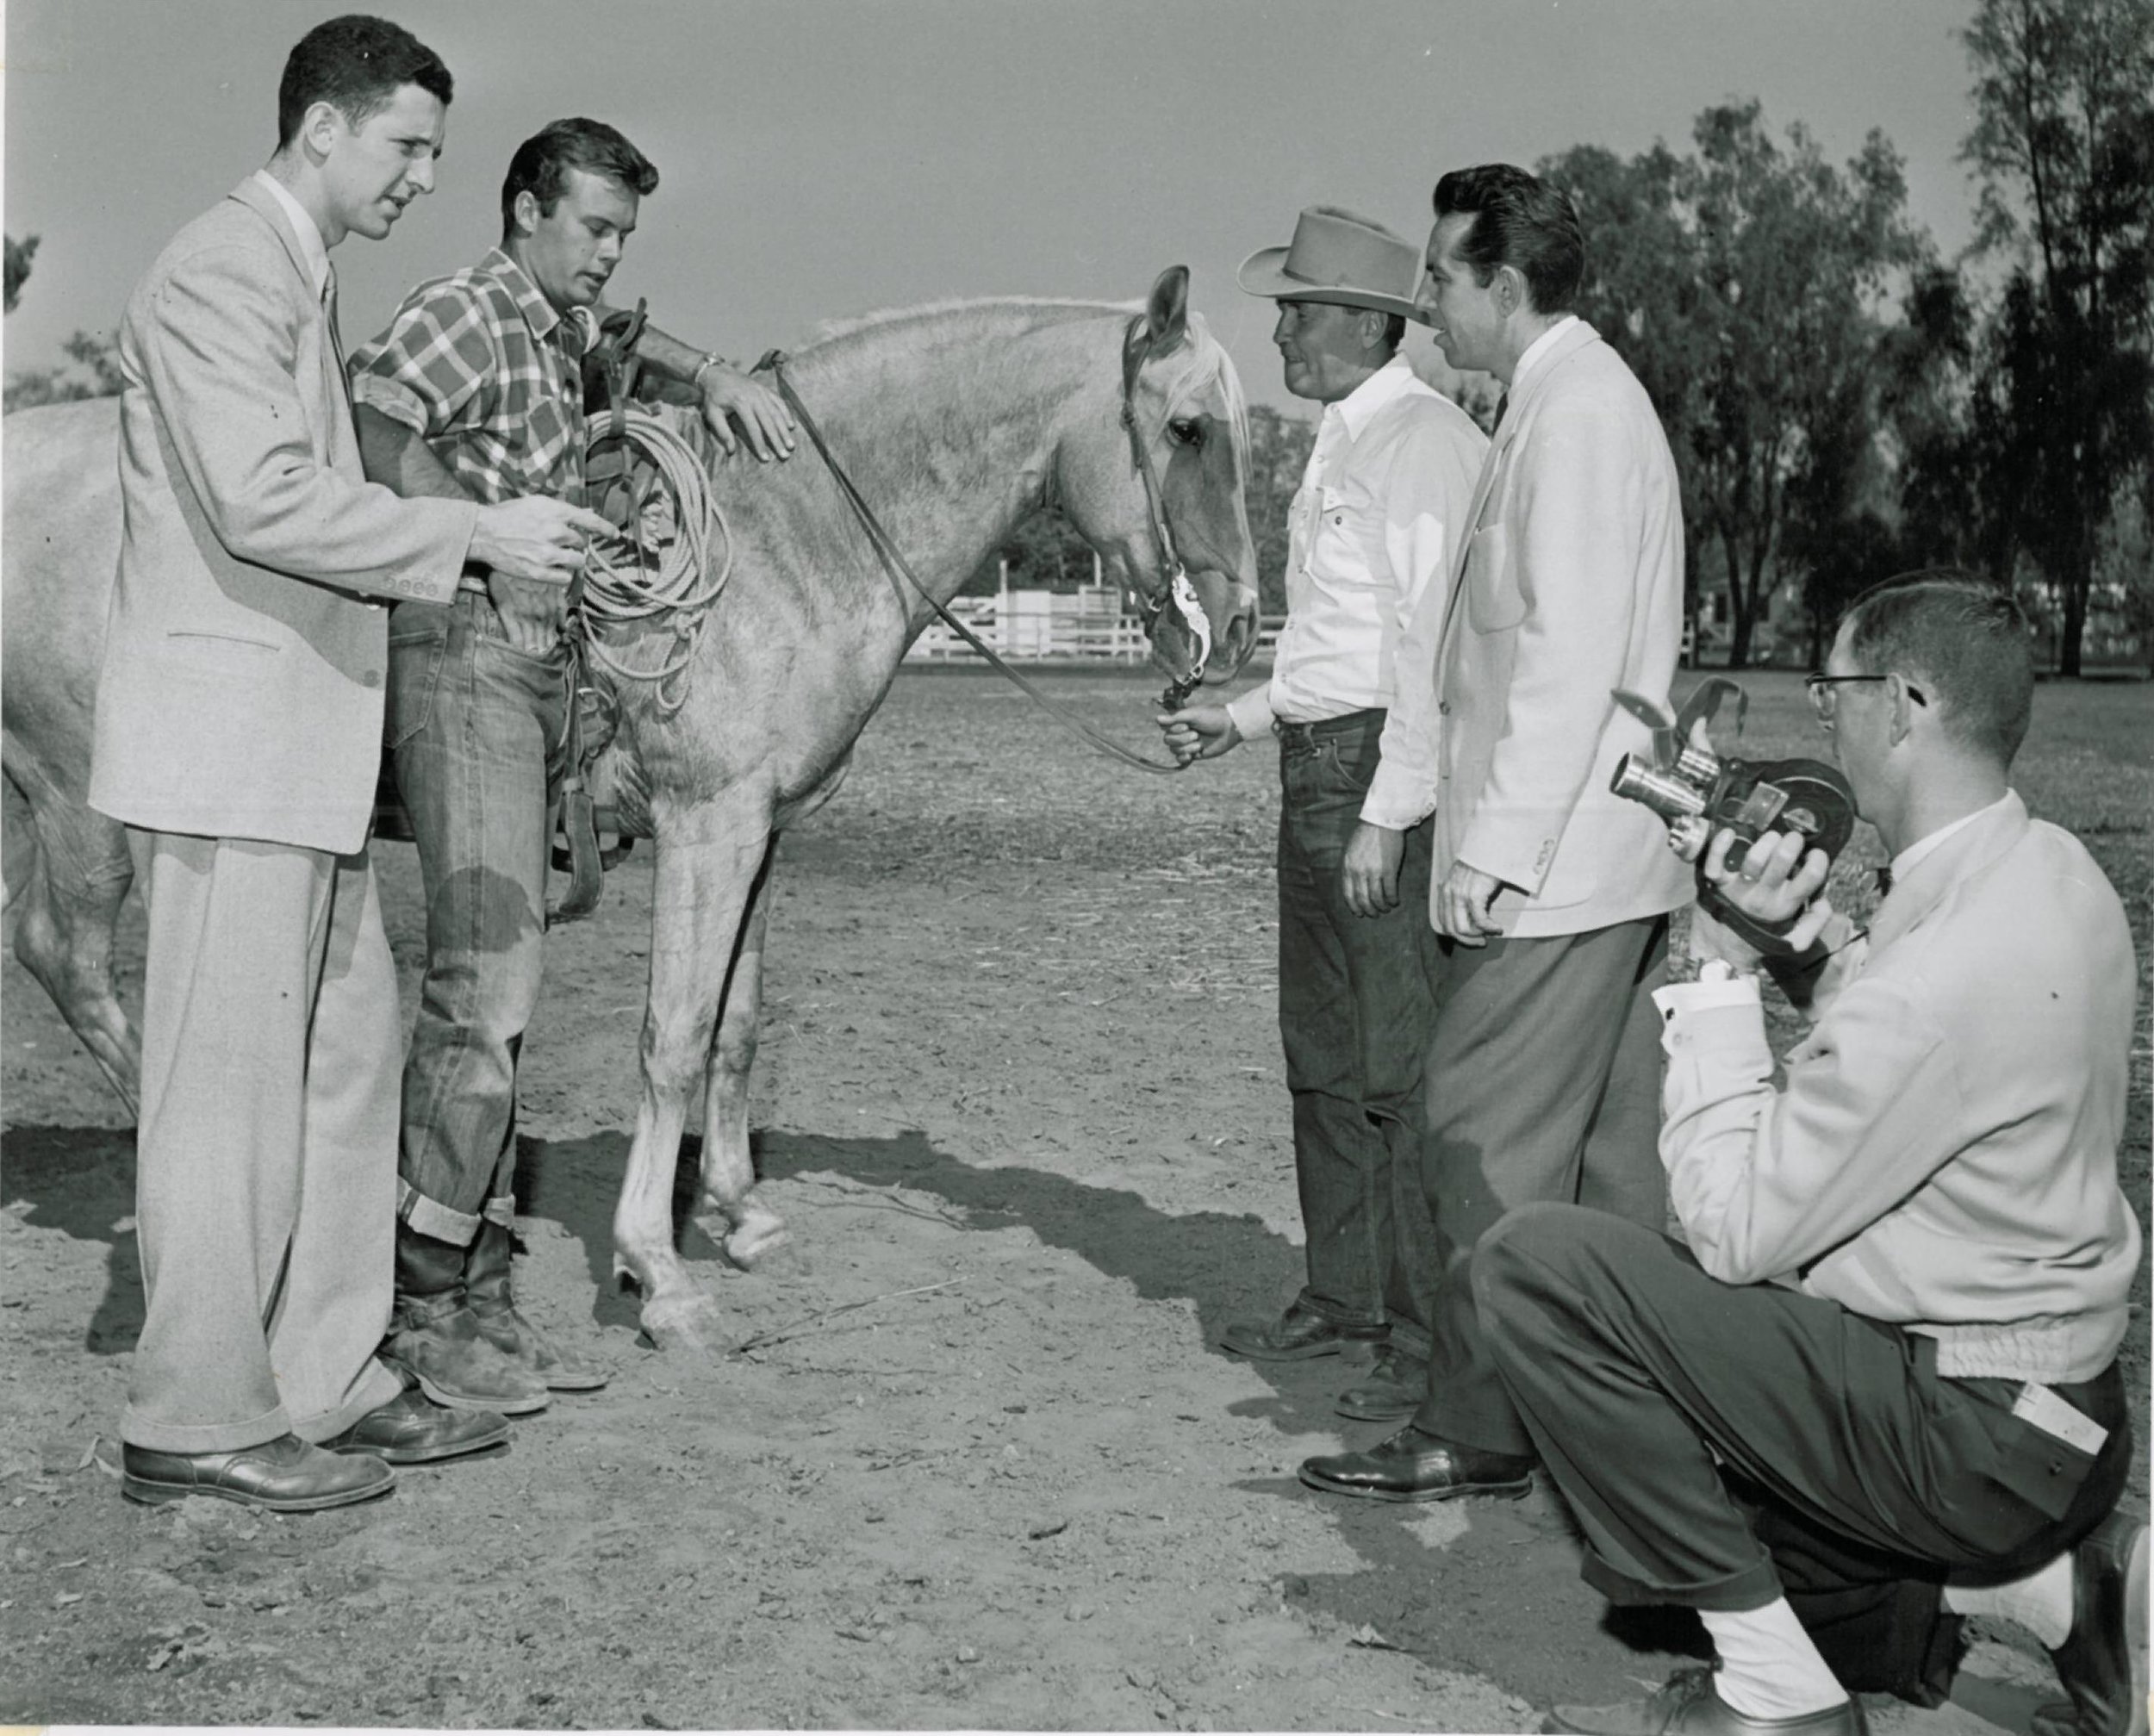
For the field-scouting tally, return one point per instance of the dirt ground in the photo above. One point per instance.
(1021, 1099)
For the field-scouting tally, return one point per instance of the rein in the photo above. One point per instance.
(895, 566)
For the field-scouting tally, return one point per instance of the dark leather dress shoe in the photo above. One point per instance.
(285, 1475)
(2102, 1665)
(412, 1429)
(1397, 1384)
(1687, 1704)
(1297, 1333)
(1414, 1467)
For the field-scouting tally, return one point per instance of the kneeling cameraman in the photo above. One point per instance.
(1878, 1388)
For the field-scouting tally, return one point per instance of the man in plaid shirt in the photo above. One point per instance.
(476, 389)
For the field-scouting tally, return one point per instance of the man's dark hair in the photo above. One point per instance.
(356, 64)
(541, 165)
(1521, 221)
(1965, 641)
(1394, 332)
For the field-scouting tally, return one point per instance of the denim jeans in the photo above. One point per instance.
(1356, 1005)
(476, 730)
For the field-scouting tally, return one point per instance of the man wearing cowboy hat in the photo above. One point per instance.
(1372, 541)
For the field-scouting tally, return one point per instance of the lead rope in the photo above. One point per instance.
(894, 563)
(630, 577)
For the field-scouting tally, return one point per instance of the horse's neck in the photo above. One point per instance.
(947, 421)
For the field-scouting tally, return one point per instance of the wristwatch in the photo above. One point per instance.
(713, 360)
(1718, 970)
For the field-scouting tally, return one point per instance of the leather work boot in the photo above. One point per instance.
(486, 1281)
(435, 1338)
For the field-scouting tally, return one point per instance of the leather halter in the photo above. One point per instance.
(894, 565)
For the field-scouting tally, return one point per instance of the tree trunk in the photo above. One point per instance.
(2078, 583)
(1740, 605)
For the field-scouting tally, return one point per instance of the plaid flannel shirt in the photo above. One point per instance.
(483, 368)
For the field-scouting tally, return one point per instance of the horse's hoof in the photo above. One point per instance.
(687, 1323)
(767, 1252)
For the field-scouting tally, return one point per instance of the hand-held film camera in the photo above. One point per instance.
(1698, 793)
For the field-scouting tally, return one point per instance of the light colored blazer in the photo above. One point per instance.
(1944, 1155)
(1568, 585)
(242, 691)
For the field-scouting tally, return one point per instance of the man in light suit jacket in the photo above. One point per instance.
(1875, 1389)
(1552, 894)
(239, 726)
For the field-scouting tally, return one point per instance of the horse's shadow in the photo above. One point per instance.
(80, 1180)
(1443, 1603)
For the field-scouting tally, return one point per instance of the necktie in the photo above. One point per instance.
(1885, 880)
(336, 340)
(1503, 403)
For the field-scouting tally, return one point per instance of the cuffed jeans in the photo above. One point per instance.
(477, 731)
(1355, 1008)
(1865, 1477)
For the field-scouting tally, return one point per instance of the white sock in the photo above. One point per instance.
(1769, 1667)
(2041, 1603)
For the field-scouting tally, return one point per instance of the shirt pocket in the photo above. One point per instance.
(1495, 602)
(1346, 541)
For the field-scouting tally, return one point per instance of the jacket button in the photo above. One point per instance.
(1443, 708)
(369, 678)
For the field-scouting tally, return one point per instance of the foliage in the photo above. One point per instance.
(2062, 416)
(1745, 285)
(91, 370)
(19, 256)
(1278, 453)
(92, 367)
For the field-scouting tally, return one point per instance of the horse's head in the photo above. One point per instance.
(1161, 494)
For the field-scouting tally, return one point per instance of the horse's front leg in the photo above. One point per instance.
(755, 1234)
(705, 884)
(68, 876)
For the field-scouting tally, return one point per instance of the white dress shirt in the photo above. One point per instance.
(1369, 546)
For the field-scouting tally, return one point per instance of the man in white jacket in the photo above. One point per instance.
(1551, 893)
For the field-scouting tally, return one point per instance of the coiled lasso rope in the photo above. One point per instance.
(627, 578)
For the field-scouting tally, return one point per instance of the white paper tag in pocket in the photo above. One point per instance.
(2041, 1406)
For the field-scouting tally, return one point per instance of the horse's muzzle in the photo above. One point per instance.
(1230, 606)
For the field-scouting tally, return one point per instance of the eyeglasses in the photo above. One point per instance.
(1819, 686)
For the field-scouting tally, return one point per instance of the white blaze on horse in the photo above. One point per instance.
(955, 423)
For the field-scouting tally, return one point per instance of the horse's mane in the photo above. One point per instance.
(1212, 362)
(831, 330)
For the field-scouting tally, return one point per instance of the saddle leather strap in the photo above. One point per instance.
(578, 823)
(894, 565)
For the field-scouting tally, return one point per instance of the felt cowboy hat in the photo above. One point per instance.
(1339, 257)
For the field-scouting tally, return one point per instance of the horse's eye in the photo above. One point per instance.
(1186, 432)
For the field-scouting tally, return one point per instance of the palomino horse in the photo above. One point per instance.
(956, 422)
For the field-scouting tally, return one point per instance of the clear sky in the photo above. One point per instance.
(827, 156)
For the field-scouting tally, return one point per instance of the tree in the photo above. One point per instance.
(2064, 142)
(92, 367)
(1278, 453)
(19, 255)
(1746, 285)
(91, 370)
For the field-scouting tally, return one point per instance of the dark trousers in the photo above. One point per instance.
(1355, 1006)
(477, 729)
(1722, 1444)
(1543, 1082)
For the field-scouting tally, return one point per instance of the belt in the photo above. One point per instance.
(1304, 738)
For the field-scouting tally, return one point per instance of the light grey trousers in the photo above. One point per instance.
(266, 1154)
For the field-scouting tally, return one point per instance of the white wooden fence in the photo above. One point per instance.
(1090, 624)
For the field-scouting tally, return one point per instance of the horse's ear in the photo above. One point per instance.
(1166, 316)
